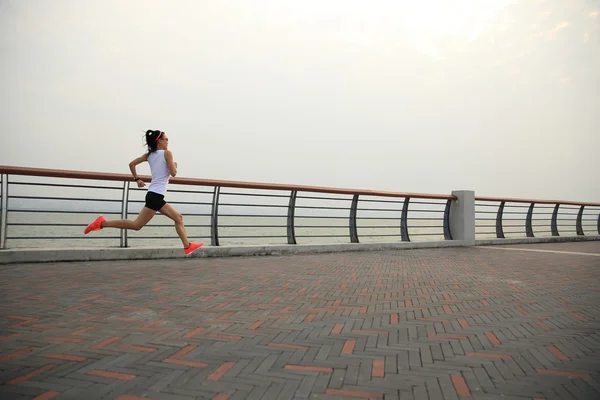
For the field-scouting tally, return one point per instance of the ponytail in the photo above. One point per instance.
(151, 139)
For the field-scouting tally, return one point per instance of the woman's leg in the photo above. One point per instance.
(168, 211)
(142, 219)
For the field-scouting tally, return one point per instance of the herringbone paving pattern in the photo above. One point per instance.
(416, 324)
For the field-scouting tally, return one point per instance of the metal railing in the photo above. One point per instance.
(501, 218)
(43, 207)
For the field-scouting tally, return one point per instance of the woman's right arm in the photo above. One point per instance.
(136, 162)
(132, 166)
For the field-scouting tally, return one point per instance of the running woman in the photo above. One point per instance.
(161, 166)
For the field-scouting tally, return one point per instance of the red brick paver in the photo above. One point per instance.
(451, 323)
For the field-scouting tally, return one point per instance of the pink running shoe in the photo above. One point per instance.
(192, 247)
(95, 226)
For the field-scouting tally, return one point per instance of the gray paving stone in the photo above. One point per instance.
(241, 291)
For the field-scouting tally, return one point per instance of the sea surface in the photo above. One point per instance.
(43, 229)
(55, 216)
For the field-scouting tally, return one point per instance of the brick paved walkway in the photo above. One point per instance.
(445, 324)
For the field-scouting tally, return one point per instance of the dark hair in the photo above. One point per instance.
(152, 139)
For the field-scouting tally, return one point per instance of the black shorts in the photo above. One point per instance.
(155, 201)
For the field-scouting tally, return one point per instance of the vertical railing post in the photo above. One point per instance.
(404, 221)
(529, 221)
(124, 211)
(291, 231)
(499, 229)
(352, 223)
(462, 217)
(447, 231)
(554, 222)
(3, 211)
(598, 227)
(578, 224)
(214, 218)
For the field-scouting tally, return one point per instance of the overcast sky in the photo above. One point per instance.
(497, 96)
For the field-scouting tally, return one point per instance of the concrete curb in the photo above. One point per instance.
(41, 255)
(552, 239)
(37, 255)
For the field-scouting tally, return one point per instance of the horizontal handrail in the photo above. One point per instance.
(58, 173)
(400, 222)
(512, 200)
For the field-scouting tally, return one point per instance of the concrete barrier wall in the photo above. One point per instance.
(20, 256)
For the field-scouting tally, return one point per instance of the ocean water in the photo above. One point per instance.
(55, 216)
(45, 229)
(246, 230)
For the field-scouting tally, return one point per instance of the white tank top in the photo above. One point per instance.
(160, 172)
